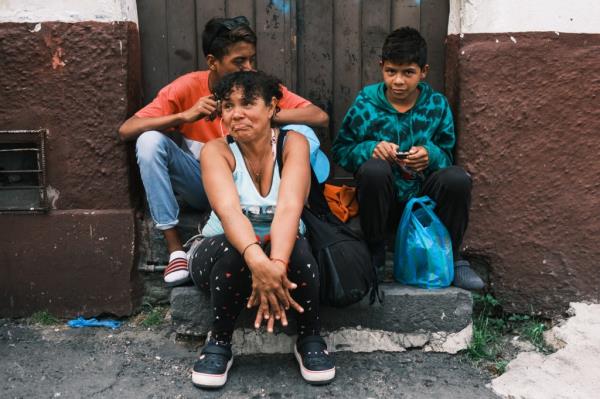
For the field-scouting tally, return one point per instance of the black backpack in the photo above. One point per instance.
(345, 268)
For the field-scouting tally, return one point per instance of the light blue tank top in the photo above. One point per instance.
(258, 209)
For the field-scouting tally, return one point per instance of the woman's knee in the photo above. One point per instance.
(301, 248)
(149, 145)
(212, 258)
(229, 266)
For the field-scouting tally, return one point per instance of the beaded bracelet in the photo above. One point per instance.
(279, 260)
(248, 246)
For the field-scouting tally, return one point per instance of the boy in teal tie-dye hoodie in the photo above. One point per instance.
(397, 138)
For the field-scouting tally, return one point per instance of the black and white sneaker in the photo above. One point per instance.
(316, 364)
(210, 370)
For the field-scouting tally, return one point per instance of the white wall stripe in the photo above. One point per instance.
(68, 10)
(498, 16)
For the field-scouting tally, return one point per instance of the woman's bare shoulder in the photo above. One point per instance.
(296, 139)
(219, 144)
(218, 148)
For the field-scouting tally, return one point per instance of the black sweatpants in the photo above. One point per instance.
(216, 266)
(380, 211)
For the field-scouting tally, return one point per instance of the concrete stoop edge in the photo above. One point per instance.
(431, 320)
(249, 341)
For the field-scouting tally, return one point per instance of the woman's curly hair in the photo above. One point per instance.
(254, 84)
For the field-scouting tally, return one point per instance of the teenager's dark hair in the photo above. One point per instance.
(220, 33)
(405, 45)
(254, 84)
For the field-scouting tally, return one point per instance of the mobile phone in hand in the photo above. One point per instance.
(402, 154)
(216, 112)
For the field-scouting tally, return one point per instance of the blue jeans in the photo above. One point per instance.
(166, 169)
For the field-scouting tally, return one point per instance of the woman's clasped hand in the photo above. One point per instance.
(271, 293)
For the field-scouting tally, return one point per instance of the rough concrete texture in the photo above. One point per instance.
(527, 118)
(571, 372)
(69, 263)
(405, 309)
(436, 320)
(191, 312)
(79, 81)
(355, 339)
(132, 362)
(152, 250)
(156, 293)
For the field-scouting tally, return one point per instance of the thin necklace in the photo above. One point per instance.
(258, 174)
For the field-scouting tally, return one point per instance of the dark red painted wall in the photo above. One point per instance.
(69, 263)
(73, 80)
(528, 121)
(79, 81)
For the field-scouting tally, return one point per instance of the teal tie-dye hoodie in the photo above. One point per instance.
(372, 119)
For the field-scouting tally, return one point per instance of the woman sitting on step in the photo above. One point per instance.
(253, 252)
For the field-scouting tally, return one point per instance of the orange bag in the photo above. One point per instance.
(342, 201)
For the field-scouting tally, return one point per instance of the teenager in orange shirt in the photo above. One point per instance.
(187, 105)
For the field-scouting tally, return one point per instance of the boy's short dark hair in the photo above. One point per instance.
(220, 33)
(255, 84)
(405, 46)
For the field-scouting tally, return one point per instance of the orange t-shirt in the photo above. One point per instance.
(185, 91)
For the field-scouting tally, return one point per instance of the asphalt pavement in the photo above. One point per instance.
(135, 362)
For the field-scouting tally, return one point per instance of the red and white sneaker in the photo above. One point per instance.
(177, 272)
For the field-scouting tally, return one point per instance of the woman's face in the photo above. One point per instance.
(245, 119)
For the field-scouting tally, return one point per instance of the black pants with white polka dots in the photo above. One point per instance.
(216, 266)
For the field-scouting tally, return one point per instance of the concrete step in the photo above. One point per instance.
(152, 245)
(433, 320)
(153, 252)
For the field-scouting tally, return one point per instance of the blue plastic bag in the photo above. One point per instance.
(423, 254)
(81, 322)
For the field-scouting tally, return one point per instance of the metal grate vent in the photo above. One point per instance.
(23, 171)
